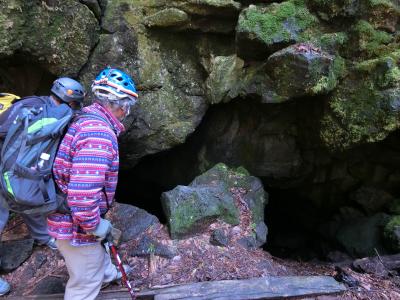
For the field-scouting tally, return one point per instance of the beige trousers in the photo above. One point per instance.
(88, 267)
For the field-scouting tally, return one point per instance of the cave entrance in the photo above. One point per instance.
(20, 76)
(295, 227)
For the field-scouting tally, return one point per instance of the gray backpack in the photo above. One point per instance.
(27, 157)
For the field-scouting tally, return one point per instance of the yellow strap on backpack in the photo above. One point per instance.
(6, 100)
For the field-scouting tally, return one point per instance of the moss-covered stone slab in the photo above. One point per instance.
(190, 209)
(262, 30)
(59, 36)
(304, 69)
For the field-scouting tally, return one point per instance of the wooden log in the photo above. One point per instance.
(271, 287)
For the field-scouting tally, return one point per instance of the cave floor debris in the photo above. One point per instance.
(195, 260)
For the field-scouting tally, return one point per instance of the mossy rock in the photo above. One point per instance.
(365, 108)
(255, 196)
(220, 8)
(304, 69)
(58, 36)
(262, 30)
(328, 9)
(190, 209)
(169, 78)
(169, 17)
(229, 79)
(392, 234)
(383, 14)
(368, 42)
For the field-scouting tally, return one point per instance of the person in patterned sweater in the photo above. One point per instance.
(86, 172)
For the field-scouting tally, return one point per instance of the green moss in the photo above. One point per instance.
(278, 22)
(329, 41)
(328, 83)
(371, 41)
(360, 113)
(385, 70)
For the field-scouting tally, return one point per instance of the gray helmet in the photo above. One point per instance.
(68, 90)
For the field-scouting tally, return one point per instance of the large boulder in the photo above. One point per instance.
(303, 69)
(58, 35)
(190, 209)
(132, 221)
(262, 30)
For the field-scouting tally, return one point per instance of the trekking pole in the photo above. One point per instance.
(115, 254)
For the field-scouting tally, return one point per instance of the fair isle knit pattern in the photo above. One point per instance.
(85, 167)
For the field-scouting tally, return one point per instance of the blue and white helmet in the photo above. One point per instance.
(114, 85)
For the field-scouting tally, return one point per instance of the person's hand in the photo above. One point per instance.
(114, 236)
(102, 230)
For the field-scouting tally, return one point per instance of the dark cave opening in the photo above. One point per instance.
(20, 76)
(300, 208)
(294, 227)
(293, 231)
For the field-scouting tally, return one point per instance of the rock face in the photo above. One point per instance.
(58, 34)
(303, 94)
(190, 209)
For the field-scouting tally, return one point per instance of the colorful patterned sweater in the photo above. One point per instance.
(86, 166)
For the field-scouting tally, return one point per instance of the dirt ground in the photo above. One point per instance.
(195, 260)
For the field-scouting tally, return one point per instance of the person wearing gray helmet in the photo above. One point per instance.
(63, 91)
